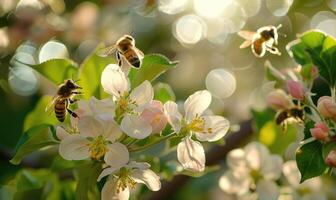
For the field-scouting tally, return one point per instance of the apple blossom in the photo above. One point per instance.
(129, 105)
(327, 107)
(123, 178)
(279, 100)
(252, 168)
(331, 158)
(296, 89)
(320, 131)
(154, 114)
(96, 140)
(190, 153)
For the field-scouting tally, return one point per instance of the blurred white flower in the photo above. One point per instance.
(190, 153)
(128, 105)
(252, 169)
(220, 83)
(96, 139)
(122, 179)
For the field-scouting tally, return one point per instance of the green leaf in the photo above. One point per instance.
(152, 66)
(306, 72)
(39, 115)
(307, 126)
(310, 161)
(90, 74)
(327, 147)
(297, 50)
(57, 70)
(32, 140)
(273, 74)
(87, 176)
(163, 92)
(313, 39)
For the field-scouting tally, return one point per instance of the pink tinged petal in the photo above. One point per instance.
(154, 114)
(83, 108)
(89, 126)
(74, 147)
(233, 184)
(174, 117)
(320, 131)
(215, 128)
(256, 155)
(331, 158)
(142, 94)
(111, 131)
(136, 127)
(278, 100)
(272, 169)
(114, 81)
(296, 89)
(147, 177)
(110, 192)
(267, 190)
(107, 171)
(104, 109)
(191, 155)
(196, 104)
(327, 107)
(117, 155)
(61, 133)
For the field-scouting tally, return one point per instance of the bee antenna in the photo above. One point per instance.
(279, 26)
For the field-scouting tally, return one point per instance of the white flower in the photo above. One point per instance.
(122, 179)
(96, 139)
(128, 105)
(190, 153)
(252, 168)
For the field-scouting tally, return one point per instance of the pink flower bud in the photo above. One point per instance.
(154, 114)
(314, 72)
(331, 158)
(320, 131)
(296, 89)
(278, 100)
(327, 107)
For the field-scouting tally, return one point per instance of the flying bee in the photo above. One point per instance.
(295, 114)
(261, 41)
(63, 98)
(124, 48)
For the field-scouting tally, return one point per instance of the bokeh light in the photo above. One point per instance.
(332, 4)
(234, 17)
(172, 6)
(210, 8)
(324, 21)
(22, 80)
(251, 7)
(52, 50)
(220, 83)
(189, 29)
(279, 7)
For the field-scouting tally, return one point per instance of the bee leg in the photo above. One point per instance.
(119, 58)
(72, 113)
(72, 101)
(75, 92)
(273, 50)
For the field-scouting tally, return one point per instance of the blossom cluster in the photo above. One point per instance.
(108, 130)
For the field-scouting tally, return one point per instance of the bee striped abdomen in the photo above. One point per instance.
(60, 110)
(132, 58)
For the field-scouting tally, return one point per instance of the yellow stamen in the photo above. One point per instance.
(197, 124)
(98, 147)
(125, 180)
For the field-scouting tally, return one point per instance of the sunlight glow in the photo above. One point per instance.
(210, 8)
(22, 80)
(220, 83)
(51, 50)
(279, 7)
(172, 6)
(189, 29)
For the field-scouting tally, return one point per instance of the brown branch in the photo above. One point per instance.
(213, 156)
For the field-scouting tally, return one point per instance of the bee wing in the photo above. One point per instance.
(247, 35)
(140, 53)
(52, 103)
(106, 51)
(245, 44)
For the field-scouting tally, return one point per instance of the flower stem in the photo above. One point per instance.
(152, 144)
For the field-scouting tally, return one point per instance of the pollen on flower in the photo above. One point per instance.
(98, 147)
(125, 180)
(198, 125)
(126, 105)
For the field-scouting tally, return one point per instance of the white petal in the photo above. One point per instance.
(267, 190)
(232, 184)
(191, 155)
(109, 192)
(114, 81)
(236, 158)
(83, 108)
(89, 126)
(196, 104)
(173, 115)
(273, 168)
(292, 173)
(107, 171)
(139, 165)
(136, 127)
(147, 177)
(61, 133)
(111, 131)
(117, 155)
(104, 109)
(219, 126)
(74, 147)
(256, 155)
(142, 94)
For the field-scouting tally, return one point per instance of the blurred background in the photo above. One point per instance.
(201, 34)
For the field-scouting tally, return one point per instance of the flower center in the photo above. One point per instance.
(198, 125)
(98, 147)
(256, 175)
(126, 105)
(125, 180)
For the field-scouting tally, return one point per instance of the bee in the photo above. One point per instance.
(124, 48)
(261, 41)
(63, 98)
(295, 114)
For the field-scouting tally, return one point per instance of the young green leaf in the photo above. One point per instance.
(163, 92)
(32, 140)
(310, 161)
(90, 73)
(87, 176)
(57, 70)
(152, 67)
